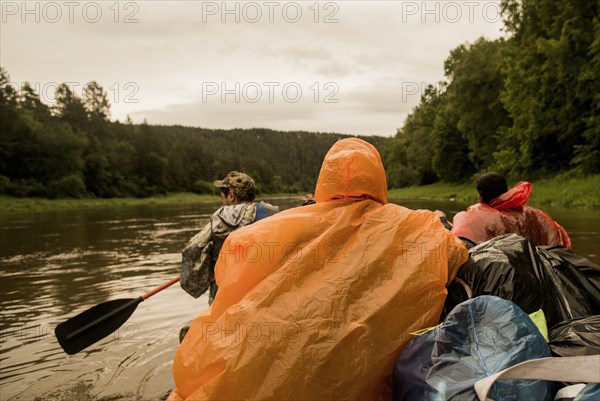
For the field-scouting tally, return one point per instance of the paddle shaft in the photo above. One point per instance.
(160, 288)
(133, 303)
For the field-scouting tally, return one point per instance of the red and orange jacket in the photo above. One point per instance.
(509, 213)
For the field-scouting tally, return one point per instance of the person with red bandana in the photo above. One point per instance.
(503, 211)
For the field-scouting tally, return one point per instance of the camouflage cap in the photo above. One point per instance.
(241, 183)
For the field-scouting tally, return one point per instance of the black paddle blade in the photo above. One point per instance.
(94, 324)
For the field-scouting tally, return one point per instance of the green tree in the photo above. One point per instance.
(474, 91)
(30, 100)
(550, 87)
(95, 101)
(587, 155)
(10, 125)
(408, 157)
(450, 158)
(70, 108)
(8, 94)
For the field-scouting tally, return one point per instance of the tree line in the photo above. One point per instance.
(72, 149)
(527, 106)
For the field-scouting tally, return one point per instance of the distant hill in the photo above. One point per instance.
(73, 150)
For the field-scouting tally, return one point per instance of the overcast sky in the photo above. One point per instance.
(353, 67)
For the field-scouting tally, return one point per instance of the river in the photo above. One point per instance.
(57, 264)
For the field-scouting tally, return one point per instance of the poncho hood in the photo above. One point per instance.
(352, 170)
(517, 196)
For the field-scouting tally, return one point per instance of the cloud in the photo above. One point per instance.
(377, 108)
(373, 57)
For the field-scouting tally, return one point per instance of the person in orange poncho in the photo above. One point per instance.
(317, 302)
(503, 211)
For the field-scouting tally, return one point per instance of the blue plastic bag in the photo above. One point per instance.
(591, 392)
(480, 337)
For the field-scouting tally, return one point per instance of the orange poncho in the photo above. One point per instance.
(509, 213)
(317, 302)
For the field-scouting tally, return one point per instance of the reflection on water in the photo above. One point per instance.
(55, 265)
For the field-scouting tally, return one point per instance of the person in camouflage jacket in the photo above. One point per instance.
(202, 251)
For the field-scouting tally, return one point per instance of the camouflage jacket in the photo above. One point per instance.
(200, 254)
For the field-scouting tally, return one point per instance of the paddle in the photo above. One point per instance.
(99, 321)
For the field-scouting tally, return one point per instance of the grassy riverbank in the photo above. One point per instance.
(564, 191)
(15, 205)
(10, 204)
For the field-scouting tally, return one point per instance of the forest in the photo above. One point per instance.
(73, 150)
(526, 105)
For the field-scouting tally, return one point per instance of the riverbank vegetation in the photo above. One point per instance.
(11, 204)
(563, 190)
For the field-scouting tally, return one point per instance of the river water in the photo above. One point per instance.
(57, 264)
